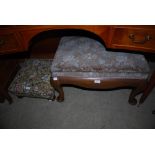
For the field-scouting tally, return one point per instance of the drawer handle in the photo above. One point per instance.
(146, 38)
(2, 42)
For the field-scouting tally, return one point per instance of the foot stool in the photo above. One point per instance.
(84, 62)
(33, 80)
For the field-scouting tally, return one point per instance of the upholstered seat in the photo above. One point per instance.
(33, 79)
(86, 58)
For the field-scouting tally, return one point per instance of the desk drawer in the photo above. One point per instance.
(133, 38)
(8, 42)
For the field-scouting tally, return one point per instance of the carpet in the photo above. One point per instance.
(82, 109)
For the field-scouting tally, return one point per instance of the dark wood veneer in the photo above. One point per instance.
(116, 37)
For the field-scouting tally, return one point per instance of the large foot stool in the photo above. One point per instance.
(33, 80)
(84, 62)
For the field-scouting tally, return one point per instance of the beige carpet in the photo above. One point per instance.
(82, 109)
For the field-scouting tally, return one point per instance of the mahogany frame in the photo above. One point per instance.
(137, 85)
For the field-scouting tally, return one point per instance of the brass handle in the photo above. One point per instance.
(2, 42)
(146, 38)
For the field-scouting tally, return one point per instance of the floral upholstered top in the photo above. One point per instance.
(33, 79)
(86, 57)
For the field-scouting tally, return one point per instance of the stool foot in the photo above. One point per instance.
(8, 97)
(20, 97)
(137, 90)
(2, 100)
(132, 101)
(60, 98)
(57, 86)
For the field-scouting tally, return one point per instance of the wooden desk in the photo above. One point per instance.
(8, 70)
(139, 38)
(15, 39)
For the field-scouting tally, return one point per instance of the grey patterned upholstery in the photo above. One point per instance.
(86, 57)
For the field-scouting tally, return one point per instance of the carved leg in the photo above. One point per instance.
(137, 90)
(2, 99)
(7, 96)
(153, 112)
(57, 86)
(20, 97)
(149, 88)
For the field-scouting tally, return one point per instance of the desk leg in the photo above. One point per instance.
(149, 88)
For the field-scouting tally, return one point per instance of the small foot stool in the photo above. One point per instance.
(33, 80)
(84, 62)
